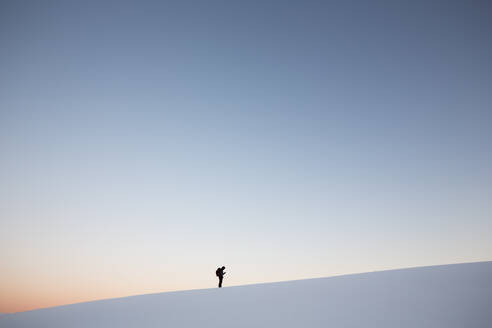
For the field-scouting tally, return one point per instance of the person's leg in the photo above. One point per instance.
(220, 282)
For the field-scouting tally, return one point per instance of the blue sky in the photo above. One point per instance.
(145, 144)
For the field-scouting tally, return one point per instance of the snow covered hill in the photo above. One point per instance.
(458, 295)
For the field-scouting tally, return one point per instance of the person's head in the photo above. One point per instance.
(223, 267)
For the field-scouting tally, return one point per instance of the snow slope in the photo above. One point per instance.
(458, 295)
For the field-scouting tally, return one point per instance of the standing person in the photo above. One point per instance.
(220, 273)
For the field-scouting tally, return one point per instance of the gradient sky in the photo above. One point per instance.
(144, 144)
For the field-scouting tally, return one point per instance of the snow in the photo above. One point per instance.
(457, 295)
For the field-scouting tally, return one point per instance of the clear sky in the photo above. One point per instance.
(144, 144)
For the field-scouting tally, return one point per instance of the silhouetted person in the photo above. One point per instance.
(220, 273)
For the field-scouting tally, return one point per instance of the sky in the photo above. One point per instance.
(143, 144)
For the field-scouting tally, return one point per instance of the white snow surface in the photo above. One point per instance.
(456, 295)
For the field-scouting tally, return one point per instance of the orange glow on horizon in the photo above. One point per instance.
(22, 301)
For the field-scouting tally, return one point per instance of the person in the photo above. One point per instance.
(220, 273)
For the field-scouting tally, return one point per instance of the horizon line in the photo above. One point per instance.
(245, 285)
